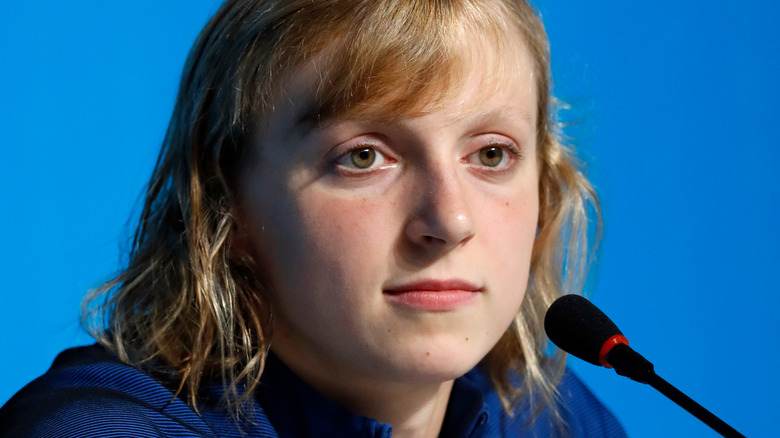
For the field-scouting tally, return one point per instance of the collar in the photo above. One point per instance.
(467, 411)
(296, 409)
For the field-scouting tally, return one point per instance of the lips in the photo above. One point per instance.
(433, 295)
(434, 286)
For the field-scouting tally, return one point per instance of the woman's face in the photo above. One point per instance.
(396, 250)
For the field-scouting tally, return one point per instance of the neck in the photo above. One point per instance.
(414, 410)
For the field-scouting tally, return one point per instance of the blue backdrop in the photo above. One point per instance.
(674, 102)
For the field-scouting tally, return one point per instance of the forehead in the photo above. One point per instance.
(390, 57)
(480, 72)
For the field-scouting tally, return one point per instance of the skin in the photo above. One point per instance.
(334, 238)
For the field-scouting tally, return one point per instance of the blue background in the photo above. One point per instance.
(675, 105)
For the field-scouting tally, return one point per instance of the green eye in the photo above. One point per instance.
(491, 156)
(363, 158)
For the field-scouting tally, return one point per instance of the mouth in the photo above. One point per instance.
(433, 295)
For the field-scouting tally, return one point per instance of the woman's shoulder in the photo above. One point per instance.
(581, 412)
(89, 392)
(584, 413)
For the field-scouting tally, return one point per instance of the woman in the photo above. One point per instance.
(358, 218)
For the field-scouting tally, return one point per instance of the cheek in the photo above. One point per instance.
(344, 229)
(514, 216)
(328, 243)
(511, 238)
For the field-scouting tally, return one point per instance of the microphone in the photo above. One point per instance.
(578, 327)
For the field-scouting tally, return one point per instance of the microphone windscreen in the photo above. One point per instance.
(578, 327)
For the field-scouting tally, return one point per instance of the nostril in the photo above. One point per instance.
(432, 239)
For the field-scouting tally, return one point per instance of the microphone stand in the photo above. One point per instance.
(633, 365)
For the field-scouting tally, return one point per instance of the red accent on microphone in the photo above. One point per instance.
(608, 346)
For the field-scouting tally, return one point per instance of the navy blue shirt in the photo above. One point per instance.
(88, 392)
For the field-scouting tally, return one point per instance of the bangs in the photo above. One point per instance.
(399, 59)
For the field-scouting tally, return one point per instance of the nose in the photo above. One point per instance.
(442, 215)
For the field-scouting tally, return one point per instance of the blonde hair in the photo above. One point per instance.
(189, 307)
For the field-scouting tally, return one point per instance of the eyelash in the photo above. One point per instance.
(514, 154)
(342, 160)
(342, 163)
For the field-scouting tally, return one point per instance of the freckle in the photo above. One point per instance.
(467, 339)
(427, 353)
(507, 204)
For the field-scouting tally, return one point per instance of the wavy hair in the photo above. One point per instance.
(189, 307)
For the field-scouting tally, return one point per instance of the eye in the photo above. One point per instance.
(491, 156)
(494, 156)
(361, 157)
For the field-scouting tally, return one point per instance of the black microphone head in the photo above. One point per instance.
(578, 327)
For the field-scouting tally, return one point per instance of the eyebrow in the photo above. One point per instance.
(502, 114)
(478, 120)
(308, 116)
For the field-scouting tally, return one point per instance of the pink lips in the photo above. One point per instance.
(433, 295)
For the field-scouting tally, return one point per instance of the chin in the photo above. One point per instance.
(439, 362)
